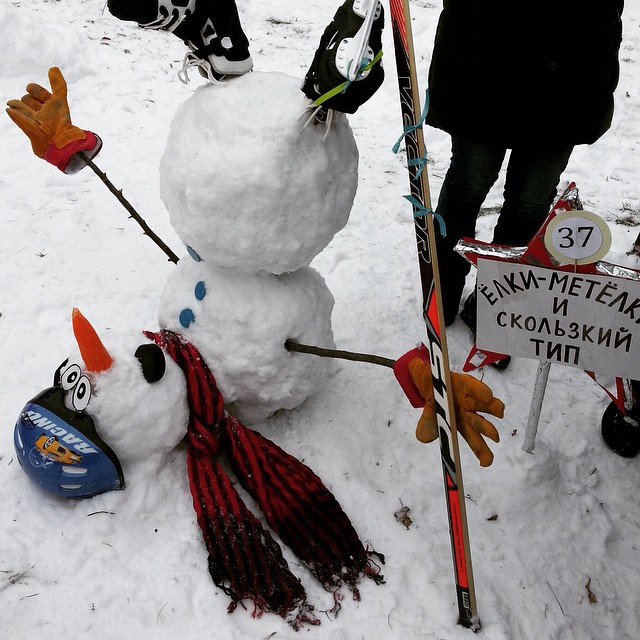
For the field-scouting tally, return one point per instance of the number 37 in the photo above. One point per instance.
(570, 236)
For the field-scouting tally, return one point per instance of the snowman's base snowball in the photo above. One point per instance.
(246, 186)
(239, 322)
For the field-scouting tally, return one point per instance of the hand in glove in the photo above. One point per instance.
(470, 395)
(45, 118)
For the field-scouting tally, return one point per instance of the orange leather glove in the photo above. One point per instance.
(45, 118)
(470, 395)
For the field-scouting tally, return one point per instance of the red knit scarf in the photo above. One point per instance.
(244, 559)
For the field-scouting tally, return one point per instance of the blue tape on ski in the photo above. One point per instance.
(420, 210)
(413, 127)
(421, 162)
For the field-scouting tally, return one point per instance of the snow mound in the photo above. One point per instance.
(33, 41)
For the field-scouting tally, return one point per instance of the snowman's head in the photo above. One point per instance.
(106, 411)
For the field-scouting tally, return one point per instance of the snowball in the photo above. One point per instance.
(140, 421)
(246, 186)
(239, 322)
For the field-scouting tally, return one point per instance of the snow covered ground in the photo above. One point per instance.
(554, 535)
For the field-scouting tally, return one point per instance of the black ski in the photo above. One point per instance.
(432, 310)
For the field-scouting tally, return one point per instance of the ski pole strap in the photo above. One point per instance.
(420, 210)
(341, 88)
(422, 161)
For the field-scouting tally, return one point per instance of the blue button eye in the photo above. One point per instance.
(200, 290)
(194, 254)
(187, 317)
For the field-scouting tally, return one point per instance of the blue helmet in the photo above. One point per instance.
(59, 448)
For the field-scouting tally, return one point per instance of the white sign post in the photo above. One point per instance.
(536, 406)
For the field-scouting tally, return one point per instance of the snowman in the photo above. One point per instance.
(255, 196)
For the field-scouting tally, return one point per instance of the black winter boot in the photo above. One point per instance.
(210, 28)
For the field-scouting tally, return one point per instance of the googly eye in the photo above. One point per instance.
(81, 394)
(70, 376)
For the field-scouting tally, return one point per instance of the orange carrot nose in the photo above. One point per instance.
(96, 357)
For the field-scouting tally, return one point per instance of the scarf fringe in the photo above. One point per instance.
(244, 559)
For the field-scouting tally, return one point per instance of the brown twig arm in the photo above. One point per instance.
(292, 345)
(132, 212)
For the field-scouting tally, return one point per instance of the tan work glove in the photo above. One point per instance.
(45, 118)
(470, 395)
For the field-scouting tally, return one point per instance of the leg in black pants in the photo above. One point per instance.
(530, 188)
(473, 170)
